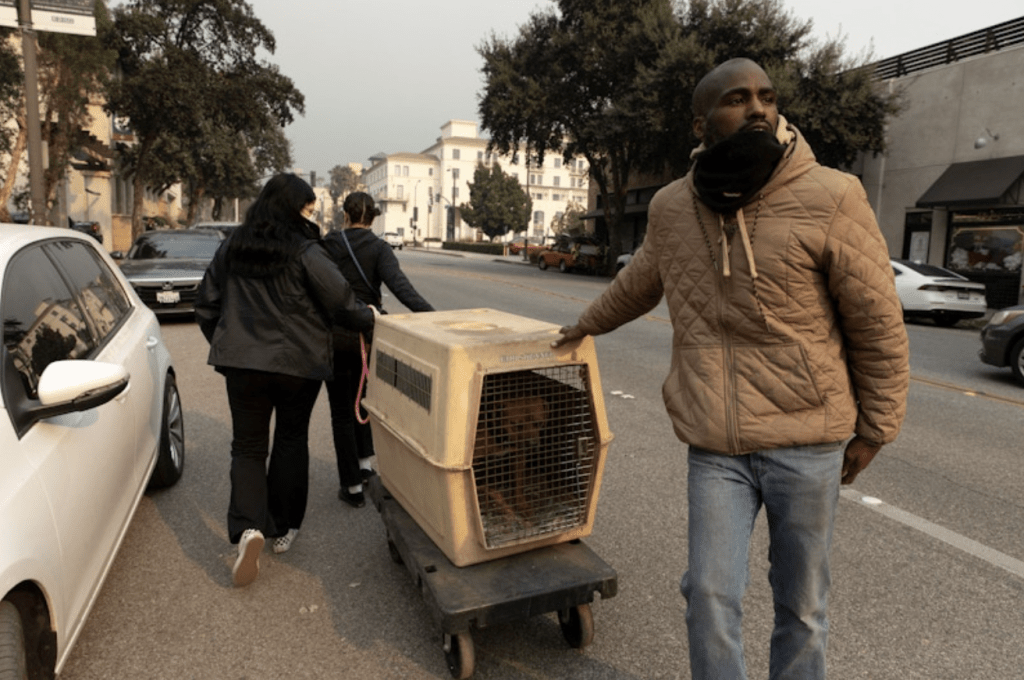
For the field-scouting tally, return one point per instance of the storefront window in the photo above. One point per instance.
(983, 248)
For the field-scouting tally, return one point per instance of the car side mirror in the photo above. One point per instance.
(77, 381)
(74, 385)
(117, 255)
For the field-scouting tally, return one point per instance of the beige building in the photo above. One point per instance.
(950, 189)
(419, 194)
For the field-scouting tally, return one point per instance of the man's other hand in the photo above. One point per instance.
(859, 454)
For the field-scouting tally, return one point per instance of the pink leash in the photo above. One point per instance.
(363, 375)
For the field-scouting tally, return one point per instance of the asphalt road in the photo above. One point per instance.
(928, 571)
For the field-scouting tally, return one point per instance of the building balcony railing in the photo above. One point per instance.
(983, 41)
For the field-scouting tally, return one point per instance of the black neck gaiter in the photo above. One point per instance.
(731, 172)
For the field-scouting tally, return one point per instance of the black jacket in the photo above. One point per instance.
(279, 324)
(379, 265)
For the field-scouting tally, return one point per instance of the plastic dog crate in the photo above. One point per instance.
(490, 439)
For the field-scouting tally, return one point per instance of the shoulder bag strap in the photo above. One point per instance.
(355, 261)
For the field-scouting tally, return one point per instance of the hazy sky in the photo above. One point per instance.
(384, 75)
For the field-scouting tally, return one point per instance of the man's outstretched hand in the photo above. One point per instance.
(568, 334)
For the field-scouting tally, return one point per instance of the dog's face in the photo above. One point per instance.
(523, 420)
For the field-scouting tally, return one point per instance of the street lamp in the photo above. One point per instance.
(416, 212)
(451, 204)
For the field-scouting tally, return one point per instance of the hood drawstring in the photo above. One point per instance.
(727, 232)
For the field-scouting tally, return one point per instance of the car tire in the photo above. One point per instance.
(13, 660)
(563, 267)
(542, 263)
(170, 461)
(1017, 360)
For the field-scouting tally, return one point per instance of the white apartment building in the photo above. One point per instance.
(419, 194)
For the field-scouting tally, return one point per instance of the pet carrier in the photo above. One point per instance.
(490, 439)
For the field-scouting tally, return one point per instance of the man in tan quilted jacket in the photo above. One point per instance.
(789, 360)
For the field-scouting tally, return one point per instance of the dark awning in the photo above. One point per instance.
(973, 183)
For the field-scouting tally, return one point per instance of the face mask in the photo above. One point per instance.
(730, 173)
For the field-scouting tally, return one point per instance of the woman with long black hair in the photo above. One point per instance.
(266, 305)
(366, 261)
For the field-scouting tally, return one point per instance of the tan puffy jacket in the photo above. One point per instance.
(787, 333)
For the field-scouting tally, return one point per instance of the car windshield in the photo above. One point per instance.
(929, 269)
(196, 246)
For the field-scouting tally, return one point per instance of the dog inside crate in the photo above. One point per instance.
(533, 456)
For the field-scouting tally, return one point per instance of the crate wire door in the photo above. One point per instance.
(534, 453)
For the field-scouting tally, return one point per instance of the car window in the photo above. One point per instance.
(43, 322)
(931, 270)
(102, 296)
(201, 246)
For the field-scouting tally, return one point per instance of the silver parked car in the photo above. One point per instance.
(926, 290)
(166, 266)
(89, 417)
(1002, 341)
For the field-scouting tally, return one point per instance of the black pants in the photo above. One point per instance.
(352, 439)
(269, 498)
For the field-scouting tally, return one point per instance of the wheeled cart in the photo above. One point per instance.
(558, 578)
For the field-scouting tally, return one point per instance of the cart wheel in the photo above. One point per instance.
(577, 625)
(396, 556)
(458, 652)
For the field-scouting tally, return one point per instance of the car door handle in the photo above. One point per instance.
(152, 342)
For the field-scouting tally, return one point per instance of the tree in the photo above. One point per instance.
(13, 133)
(73, 72)
(830, 97)
(570, 222)
(575, 83)
(11, 78)
(612, 81)
(497, 204)
(343, 182)
(195, 95)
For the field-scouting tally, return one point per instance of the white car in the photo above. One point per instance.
(394, 239)
(89, 418)
(621, 261)
(927, 290)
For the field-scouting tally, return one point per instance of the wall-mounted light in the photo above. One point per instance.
(982, 141)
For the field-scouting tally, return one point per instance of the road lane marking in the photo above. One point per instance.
(958, 541)
(964, 390)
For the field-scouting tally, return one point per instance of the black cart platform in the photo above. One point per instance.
(560, 578)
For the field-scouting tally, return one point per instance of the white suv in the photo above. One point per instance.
(393, 239)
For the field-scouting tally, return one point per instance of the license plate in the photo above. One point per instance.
(168, 297)
(963, 295)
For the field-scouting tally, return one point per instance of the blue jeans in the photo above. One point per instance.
(799, 489)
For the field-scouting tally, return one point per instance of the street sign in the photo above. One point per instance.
(58, 16)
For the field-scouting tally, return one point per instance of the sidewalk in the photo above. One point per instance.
(508, 259)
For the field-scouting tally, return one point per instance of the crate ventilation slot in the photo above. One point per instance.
(414, 384)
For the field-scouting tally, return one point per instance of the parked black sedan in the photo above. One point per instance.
(166, 266)
(1002, 341)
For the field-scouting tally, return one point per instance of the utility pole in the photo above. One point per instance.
(35, 141)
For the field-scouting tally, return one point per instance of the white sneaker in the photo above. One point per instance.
(247, 566)
(283, 543)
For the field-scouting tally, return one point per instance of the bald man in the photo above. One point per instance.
(790, 363)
